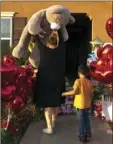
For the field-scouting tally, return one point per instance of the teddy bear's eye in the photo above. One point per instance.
(58, 12)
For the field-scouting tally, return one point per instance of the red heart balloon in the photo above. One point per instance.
(101, 65)
(106, 52)
(9, 60)
(109, 27)
(102, 76)
(111, 63)
(101, 69)
(97, 51)
(17, 104)
(8, 92)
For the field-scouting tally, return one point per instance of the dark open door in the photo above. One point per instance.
(78, 46)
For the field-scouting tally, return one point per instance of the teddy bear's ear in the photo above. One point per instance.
(72, 20)
(34, 22)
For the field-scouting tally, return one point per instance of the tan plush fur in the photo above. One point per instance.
(40, 25)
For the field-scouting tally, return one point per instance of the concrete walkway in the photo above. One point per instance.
(66, 132)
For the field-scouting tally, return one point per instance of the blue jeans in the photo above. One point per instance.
(84, 122)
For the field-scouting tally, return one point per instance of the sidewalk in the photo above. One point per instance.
(66, 132)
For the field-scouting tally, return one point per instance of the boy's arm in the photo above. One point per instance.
(72, 92)
(69, 93)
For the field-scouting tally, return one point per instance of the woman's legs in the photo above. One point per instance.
(55, 111)
(48, 117)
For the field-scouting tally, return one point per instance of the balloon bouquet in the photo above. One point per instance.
(16, 87)
(100, 59)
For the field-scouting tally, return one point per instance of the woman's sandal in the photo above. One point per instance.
(48, 131)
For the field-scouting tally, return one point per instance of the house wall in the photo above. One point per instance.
(98, 11)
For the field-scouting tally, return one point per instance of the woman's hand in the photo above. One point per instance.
(63, 94)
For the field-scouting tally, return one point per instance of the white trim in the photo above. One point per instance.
(7, 14)
(11, 31)
(5, 38)
(6, 17)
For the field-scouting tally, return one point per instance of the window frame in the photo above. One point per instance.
(8, 15)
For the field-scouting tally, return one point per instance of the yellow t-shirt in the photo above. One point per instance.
(84, 93)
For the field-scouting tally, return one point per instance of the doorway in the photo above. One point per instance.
(78, 46)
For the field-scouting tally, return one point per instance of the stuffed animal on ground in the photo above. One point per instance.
(44, 24)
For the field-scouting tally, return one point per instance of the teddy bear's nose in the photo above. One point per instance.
(55, 26)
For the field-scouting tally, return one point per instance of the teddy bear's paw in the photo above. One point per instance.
(34, 62)
(66, 37)
(18, 53)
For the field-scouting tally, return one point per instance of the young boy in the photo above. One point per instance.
(83, 92)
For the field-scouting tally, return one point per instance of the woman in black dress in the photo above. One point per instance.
(50, 81)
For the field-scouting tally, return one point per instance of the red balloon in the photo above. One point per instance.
(24, 97)
(17, 104)
(109, 27)
(8, 92)
(93, 64)
(106, 52)
(100, 65)
(102, 76)
(9, 60)
(101, 69)
(99, 108)
(111, 63)
(97, 51)
(21, 79)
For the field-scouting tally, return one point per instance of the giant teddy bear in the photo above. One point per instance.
(43, 23)
(47, 28)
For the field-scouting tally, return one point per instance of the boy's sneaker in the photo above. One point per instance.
(88, 136)
(82, 139)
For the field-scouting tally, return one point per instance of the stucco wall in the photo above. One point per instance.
(98, 11)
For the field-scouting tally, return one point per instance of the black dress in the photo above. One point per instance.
(50, 82)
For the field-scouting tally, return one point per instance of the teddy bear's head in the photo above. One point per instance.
(45, 23)
(57, 16)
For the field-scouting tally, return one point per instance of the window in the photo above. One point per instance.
(6, 31)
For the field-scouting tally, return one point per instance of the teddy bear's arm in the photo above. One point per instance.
(71, 20)
(64, 33)
(21, 50)
(34, 23)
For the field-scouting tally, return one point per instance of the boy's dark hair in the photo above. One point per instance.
(83, 70)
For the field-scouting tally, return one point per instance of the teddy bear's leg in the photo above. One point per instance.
(64, 33)
(21, 50)
(34, 57)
